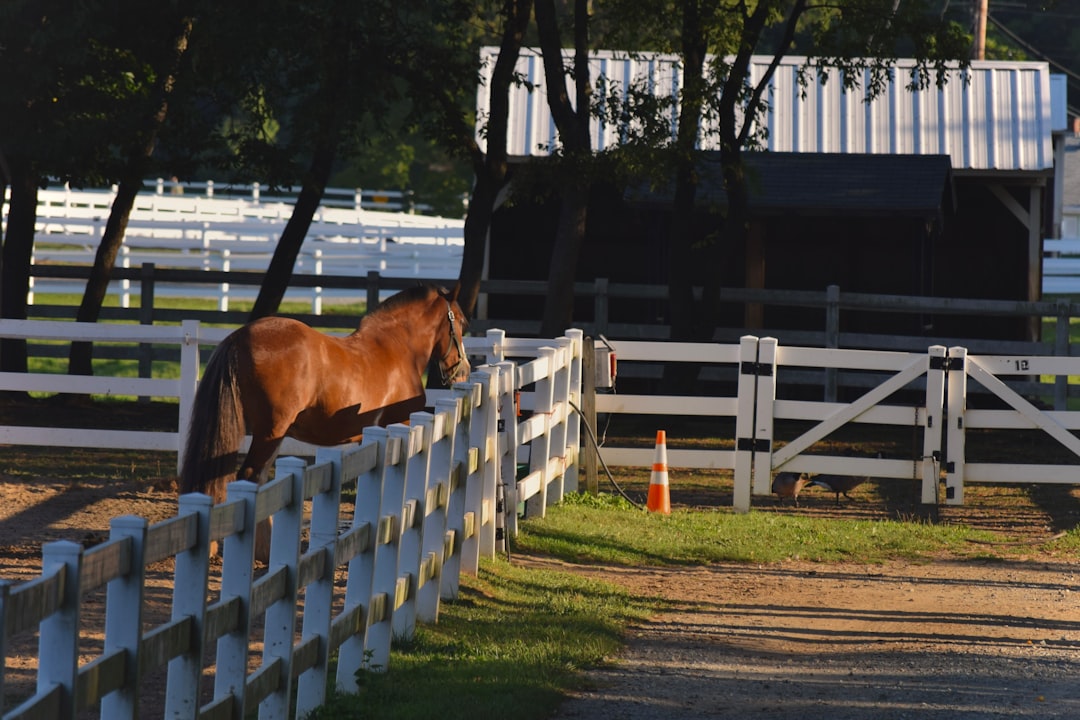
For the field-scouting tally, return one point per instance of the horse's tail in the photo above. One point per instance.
(217, 427)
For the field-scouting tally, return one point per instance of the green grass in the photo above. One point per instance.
(518, 639)
(509, 647)
(585, 530)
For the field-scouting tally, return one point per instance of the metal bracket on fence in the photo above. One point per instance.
(753, 445)
(755, 368)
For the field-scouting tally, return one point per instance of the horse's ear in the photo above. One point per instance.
(454, 293)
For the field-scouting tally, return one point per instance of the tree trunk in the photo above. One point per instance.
(559, 308)
(491, 168)
(15, 265)
(276, 280)
(79, 359)
(573, 126)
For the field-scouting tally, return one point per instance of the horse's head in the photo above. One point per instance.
(449, 348)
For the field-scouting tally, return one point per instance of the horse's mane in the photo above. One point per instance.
(420, 291)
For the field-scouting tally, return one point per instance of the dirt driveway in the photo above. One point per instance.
(944, 639)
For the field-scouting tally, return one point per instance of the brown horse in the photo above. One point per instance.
(281, 378)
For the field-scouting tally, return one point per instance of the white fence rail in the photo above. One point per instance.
(1061, 266)
(908, 391)
(426, 510)
(213, 233)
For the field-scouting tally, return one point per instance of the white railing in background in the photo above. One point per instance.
(210, 232)
(427, 509)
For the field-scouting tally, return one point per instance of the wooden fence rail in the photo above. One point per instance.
(426, 510)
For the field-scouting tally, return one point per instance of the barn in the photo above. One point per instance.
(942, 191)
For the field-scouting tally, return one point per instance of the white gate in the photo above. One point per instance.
(987, 370)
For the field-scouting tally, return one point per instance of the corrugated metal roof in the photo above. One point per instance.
(999, 119)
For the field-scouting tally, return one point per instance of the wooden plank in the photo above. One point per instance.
(169, 537)
(102, 563)
(268, 589)
(33, 601)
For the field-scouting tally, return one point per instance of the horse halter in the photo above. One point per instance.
(449, 374)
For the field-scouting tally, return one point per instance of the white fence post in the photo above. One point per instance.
(319, 593)
(358, 589)
(439, 428)
(473, 483)
(280, 618)
(190, 576)
(573, 419)
(388, 532)
(123, 618)
(508, 436)
(230, 680)
(189, 383)
(955, 436)
(417, 444)
(540, 446)
(932, 430)
(485, 424)
(58, 639)
(763, 415)
(744, 423)
(461, 463)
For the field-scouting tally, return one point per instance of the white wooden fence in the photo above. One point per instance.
(213, 233)
(908, 392)
(426, 510)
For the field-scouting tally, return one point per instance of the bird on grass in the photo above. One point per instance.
(839, 484)
(789, 484)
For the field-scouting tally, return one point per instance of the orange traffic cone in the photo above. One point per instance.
(659, 499)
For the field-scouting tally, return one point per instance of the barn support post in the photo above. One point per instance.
(123, 617)
(744, 422)
(601, 304)
(932, 428)
(832, 336)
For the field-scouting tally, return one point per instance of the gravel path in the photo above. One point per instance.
(948, 639)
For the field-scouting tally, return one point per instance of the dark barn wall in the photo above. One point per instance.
(983, 256)
(978, 252)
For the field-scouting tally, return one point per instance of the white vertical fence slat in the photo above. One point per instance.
(280, 619)
(236, 578)
(387, 534)
(58, 639)
(123, 618)
(191, 574)
(417, 471)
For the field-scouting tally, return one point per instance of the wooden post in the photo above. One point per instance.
(189, 600)
(123, 618)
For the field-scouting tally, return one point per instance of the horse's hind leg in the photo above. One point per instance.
(256, 468)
